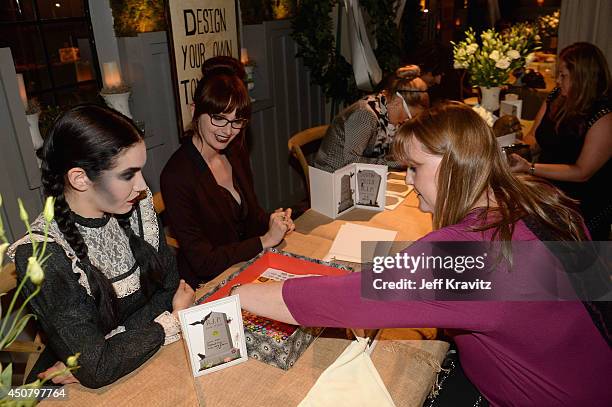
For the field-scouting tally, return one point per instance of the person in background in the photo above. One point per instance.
(573, 131)
(207, 184)
(111, 290)
(519, 353)
(363, 132)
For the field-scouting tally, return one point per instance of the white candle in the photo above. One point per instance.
(244, 56)
(111, 75)
(22, 91)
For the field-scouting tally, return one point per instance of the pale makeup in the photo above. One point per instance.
(118, 188)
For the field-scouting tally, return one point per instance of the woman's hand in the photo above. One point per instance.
(280, 224)
(183, 298)
(65, 378)
(518, 163)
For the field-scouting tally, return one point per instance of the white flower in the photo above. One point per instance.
(529, 58)
(537, 38)
(513, 54)
(485, 114)
(494, 55)
(460, 65)
(471, 49)
(503, 63)
(34, 271)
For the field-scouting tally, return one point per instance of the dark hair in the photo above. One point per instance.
(90, 137)
(221, 90)
(223, 61)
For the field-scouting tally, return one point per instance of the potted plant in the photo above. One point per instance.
(490, 61)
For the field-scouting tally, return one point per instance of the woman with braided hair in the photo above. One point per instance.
(111, 290)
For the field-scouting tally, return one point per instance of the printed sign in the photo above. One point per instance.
(199, 29)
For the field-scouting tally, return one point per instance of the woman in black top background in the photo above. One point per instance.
(573, 129)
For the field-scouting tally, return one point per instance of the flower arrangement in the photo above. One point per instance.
(548, 25)
(10, 328)
(486, 115)
(489, 62)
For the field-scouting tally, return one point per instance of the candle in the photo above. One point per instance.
(111, 75)
(244, 56)
(22, 91)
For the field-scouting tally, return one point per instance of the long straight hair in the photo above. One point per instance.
(589, 79)
(472, 166)
(91, 137)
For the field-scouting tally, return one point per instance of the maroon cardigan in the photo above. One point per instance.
(200, 214)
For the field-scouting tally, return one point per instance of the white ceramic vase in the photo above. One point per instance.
(490, 98)
(119, 102)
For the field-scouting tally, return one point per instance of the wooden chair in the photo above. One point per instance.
(302, 138)
(8, 282)
(160, 207)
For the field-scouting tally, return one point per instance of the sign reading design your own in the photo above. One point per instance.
(200, 29)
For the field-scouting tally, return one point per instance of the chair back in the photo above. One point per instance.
(160, 207)
(302, 138)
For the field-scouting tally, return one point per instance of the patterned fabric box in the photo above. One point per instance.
(275, 343)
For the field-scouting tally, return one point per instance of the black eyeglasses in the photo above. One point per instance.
(220, 121)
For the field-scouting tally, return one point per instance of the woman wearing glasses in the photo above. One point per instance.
(363, 132)
(207, 184)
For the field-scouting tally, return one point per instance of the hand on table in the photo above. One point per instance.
(183, 298)
(280, 225)
(65, 378)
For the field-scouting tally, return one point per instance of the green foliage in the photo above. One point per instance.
(10, 328)
(316, 45)
(137, 16)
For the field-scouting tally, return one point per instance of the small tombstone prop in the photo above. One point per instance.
(346, 194)
(369, 184)
(217, 340)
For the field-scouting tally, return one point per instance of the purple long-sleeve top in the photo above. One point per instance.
(516, 353)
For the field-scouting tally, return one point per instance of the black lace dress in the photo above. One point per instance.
(67, 311)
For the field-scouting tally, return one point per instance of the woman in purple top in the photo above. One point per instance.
(515, 353)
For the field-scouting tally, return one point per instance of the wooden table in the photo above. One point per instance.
(407, 367)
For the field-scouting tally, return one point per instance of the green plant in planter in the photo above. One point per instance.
(10, 328)
(137, 16)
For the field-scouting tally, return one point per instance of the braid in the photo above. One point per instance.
(101, 288)
(146, 257)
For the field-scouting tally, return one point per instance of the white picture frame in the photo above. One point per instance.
(206, 321)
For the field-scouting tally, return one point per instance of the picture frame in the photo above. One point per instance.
(214, 335)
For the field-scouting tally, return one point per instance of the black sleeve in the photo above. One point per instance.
(161, 300)
(70, 319)
(206, 258)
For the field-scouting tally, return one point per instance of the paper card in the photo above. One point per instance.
(371, 186)
(347, 244)
(214, 334)
(353, 186)
(511, 107)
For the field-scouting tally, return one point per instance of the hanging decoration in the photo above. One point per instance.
(319, 48)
